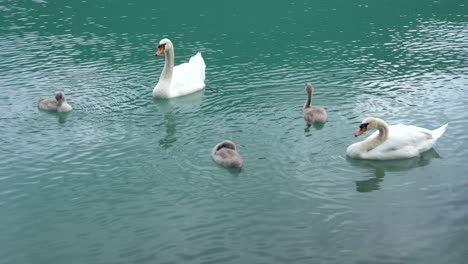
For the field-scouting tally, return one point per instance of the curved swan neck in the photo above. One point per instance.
(309, 100)
(383, 132)
(168, 64)
(380, 125)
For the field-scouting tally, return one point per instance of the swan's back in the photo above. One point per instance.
(226, 155)
(412, 139)
(188, 77)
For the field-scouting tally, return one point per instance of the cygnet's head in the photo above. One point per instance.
(369, 123)
(309, 88)
(164, 44)
(59, 96)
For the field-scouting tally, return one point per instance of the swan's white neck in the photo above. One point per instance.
(162, 89)
(381, 137)
(166, 74)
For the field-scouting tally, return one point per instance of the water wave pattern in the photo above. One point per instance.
(128, 178)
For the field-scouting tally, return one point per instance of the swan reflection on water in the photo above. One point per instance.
(317, 126)
(170, 138)
(378, 168)
(170, 108)
(61, 116)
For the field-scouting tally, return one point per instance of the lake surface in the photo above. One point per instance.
(125, 178)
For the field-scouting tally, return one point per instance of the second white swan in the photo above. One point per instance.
(182, 79)
(393, 142)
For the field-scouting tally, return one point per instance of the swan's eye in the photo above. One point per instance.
(364, 125)
(162, 45)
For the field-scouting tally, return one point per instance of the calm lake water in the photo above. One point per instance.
(125, 178)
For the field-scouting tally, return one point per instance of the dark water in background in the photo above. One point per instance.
(125, 178)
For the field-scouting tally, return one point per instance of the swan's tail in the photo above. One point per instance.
(199, 63)
(198, 60)
(437, 133)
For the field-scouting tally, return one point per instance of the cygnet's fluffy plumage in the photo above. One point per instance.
(57, 104)
(313, 114)
(225, 154)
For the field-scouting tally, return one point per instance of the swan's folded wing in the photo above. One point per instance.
(190, 76)
(197, 59)
(407, 139)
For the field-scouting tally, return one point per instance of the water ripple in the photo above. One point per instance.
(129, 178)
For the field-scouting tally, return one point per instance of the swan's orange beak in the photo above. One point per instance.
(362, 129)
(160, 50)
(360, 132)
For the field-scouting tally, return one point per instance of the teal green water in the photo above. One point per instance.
(125, 178)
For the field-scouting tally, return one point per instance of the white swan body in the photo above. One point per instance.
(226, 155)
(393, 142)
(313, 114)
(182, 79)
(57, 104)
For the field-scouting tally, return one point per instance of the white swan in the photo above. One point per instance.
(225, 154)
(182, 79)
(313, 114)
(54, 104)
(393, 142)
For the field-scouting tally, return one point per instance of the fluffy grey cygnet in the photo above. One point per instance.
(313, 114)
(226, 155)
(57, 104)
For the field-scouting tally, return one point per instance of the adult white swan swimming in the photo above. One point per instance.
(393, 142)
(182, 79)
